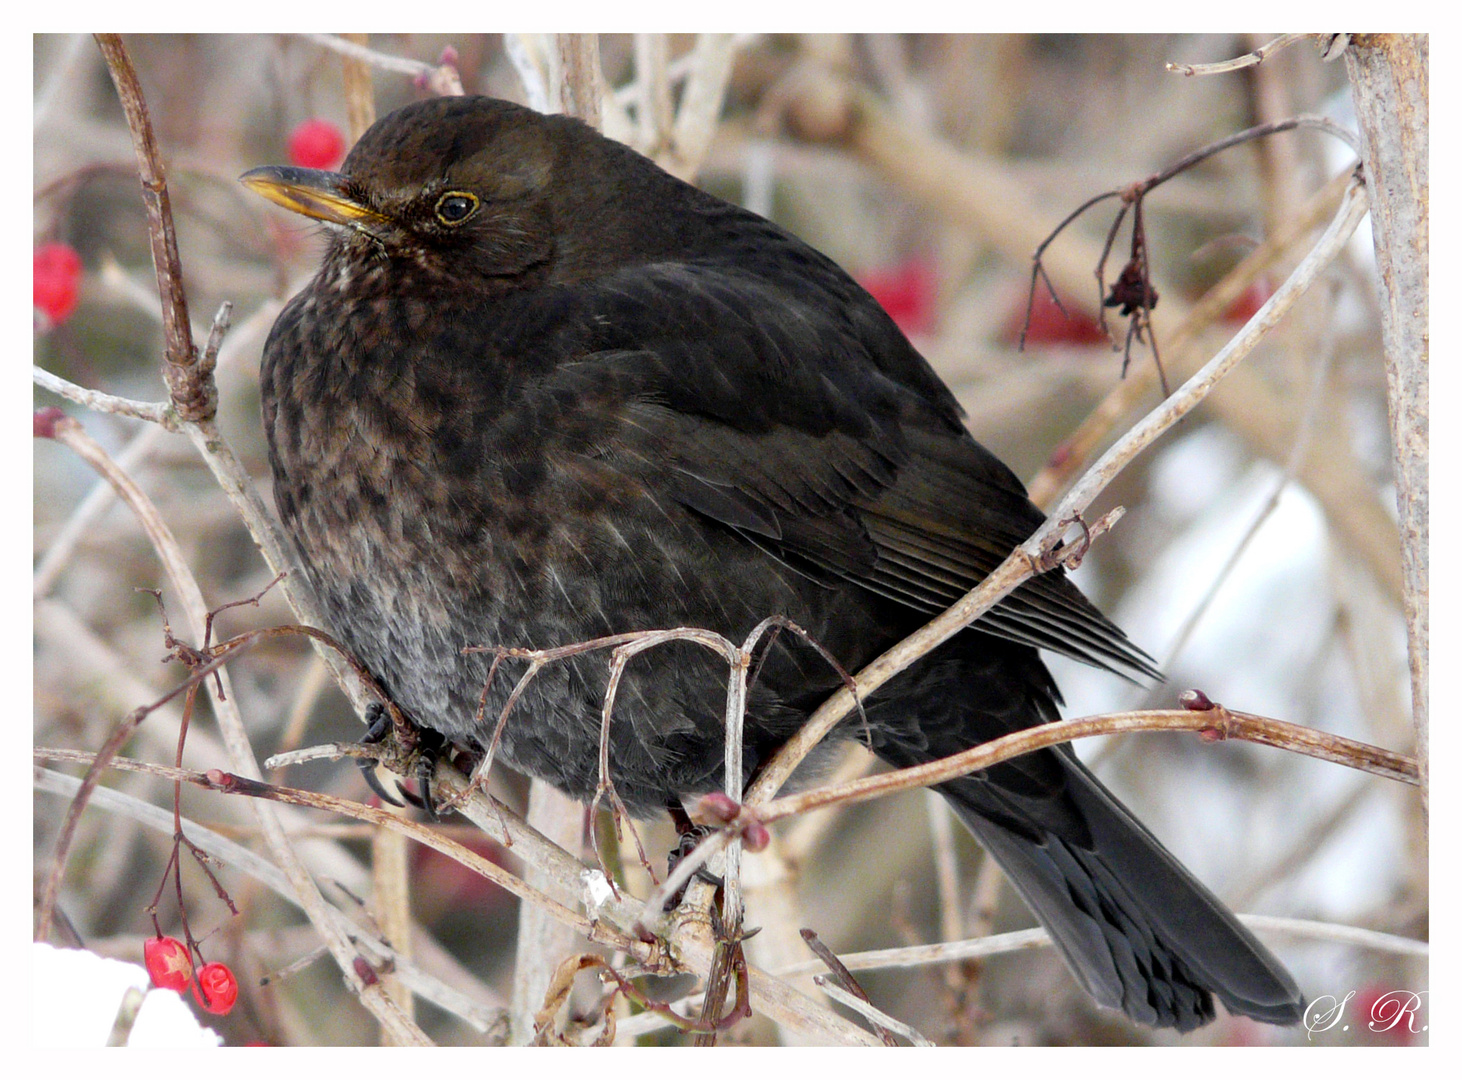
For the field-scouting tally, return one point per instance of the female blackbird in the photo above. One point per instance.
(540, 391)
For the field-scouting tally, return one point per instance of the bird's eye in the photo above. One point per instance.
(455, 207)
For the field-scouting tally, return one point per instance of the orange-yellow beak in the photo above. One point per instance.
(314, 193)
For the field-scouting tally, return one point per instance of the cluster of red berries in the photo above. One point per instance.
(214, 985)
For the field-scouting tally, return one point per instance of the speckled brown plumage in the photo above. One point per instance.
(540, 391)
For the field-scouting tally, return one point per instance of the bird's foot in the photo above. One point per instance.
(430, 746)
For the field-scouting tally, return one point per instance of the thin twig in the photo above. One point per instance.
(442, 78)
(1187, 397)
(846, 984)
(1133, 290)
(236, 739)
(1304, 431)
(1017, 940)
(1349, 935)
(1076, 449)
(1251, 59)
(80, 523)
(156, 411)
(239, 857)
(232, 784)
(877, 1017)
(950, 892)
(1216, 722)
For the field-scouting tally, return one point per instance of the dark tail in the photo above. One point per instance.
(1138, 931)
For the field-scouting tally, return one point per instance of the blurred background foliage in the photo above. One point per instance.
(1303, 625)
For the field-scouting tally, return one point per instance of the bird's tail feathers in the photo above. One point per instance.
(1138, 931)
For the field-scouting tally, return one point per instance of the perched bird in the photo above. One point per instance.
(541, 391)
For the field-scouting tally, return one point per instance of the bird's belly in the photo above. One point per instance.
(408, 585)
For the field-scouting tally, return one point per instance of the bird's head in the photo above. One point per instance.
(463, 187)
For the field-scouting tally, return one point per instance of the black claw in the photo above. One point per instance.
(368, 772)
(690, 835)
(426, 764)
(377, 724)
(411, 797)
(430, 746)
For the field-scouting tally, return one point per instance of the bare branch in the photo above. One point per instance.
(442, 79)
(1022, 563)
(1214, 722)
(156, 412)
(1388, 75)
(193, 395)
(876, 1016)
(1251, 59)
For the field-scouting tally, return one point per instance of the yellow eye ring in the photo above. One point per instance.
(455, 207)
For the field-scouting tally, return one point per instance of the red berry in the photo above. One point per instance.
(1252, 299)
(57, 281)
(1049, 325)
(216, 989)
(166, 960)
(316, 144)
(908, 292)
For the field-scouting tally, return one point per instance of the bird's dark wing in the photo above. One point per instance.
(808, 424)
